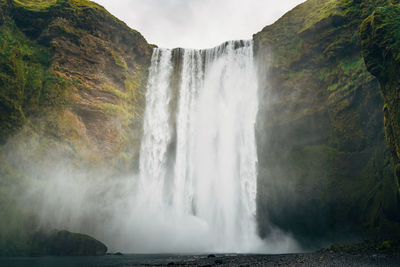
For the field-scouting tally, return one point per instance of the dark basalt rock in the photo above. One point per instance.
(64, 243)
(218, 262)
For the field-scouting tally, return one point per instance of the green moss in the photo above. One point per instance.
(40, 12)
(119, 60)
(23, 74)
(135, 86)
(79, 4)
(380, 33)
(66, 28)
(112, 109)
(45, 5)
(385, 245)
(35, 5)
(323, 9)
(121, 95)
(29, 85)
(390, 24)
(325, 124)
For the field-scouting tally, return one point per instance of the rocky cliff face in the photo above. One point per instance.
(380, 35)
(80, 70)
(324, 169)
(72, 80)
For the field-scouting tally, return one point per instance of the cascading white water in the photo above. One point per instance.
(205, 187)
(157, 130)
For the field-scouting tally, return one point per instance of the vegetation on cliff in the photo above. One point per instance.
(380, 34)
(72, 81)
(325, 147)
(75, 59)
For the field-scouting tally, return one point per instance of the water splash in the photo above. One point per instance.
(207, 184)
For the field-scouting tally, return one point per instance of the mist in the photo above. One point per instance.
(63, 196)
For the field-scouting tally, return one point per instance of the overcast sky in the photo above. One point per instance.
(197, 23)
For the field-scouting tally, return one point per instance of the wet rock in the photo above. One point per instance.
(218, 261)
(64, 243)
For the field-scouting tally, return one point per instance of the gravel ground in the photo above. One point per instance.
(322, 258)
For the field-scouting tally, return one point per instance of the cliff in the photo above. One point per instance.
(325, 173)
(380, 35)
(72, 81)
(74, 73)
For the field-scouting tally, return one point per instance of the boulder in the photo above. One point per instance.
(64, 243)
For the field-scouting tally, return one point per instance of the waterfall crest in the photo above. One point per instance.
(198, 164)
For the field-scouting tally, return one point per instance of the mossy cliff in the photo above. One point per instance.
(72, 88)
(325, 173)
(75, 73)
(380, 35)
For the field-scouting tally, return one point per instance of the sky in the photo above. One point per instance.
(197, 23)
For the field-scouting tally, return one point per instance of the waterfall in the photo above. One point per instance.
(157, 130)
(198, 165)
